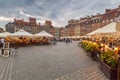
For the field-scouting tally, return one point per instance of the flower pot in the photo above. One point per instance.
(111, 73)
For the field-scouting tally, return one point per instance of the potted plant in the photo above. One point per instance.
(108, 64)
(92, 48)
(84, 44)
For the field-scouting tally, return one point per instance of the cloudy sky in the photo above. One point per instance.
(58, 11)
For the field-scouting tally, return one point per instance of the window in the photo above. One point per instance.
(107, 20)
(103, 21)
(96, 20)
(111, 20)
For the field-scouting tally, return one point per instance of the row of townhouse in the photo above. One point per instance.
(90, 23)
(32, 27)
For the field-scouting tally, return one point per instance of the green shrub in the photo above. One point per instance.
(91, 47)
(109, 58)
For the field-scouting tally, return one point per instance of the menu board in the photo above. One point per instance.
(6, 45)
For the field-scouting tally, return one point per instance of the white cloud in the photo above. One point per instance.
(25, 14)
(74, 12)
(40, 19)
(2, 18)
(59, 12)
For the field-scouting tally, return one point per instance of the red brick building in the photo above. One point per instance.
(48, 23)
(96, 22)
(110, 15)
(85, 25)
(93, 22)
(31, 26)
(71, 31)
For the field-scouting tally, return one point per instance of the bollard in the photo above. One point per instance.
(118, 74)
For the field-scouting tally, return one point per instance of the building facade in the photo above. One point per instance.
(96, 22)
(110, 15)
(85, 25)
(93, 22)
(48, 27)
(71, 31)
(61, 29)
(31, 26)
(64, 32)
(57, 33)
(77, 31)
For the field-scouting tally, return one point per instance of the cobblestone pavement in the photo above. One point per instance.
(6, 65)
(53, 62)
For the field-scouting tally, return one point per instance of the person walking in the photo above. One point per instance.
(2, 41)
(66, 40)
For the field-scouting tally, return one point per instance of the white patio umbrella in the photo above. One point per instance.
(72, 36)
(43, 34)
(77, 36)
(5, 34)
(21, 32)
(110, 28)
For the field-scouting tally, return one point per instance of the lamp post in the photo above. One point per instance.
(118, 73)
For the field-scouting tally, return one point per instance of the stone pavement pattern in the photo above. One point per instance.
(6, 65)
(92, 72)
(53, 62)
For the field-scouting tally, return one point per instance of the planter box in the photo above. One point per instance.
(90, 54)
(108, 71)
(94, 55)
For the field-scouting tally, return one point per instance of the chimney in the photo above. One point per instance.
(107, 10)
(92, 15)
(119, 6)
